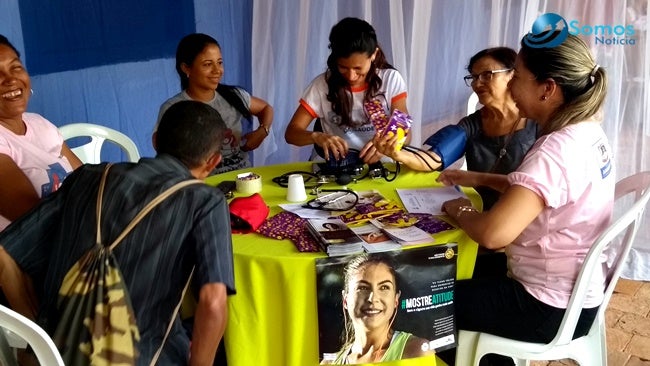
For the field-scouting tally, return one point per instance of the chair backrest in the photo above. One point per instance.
(36, 337)
(472, 103)
(91, 151)
(627, 224)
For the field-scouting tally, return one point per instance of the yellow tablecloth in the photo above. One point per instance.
(272, 320)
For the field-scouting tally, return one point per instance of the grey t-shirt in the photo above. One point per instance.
(233, 157)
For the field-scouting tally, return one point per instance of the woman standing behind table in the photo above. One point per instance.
(493, 139)
(199, 65)
(34, 160)
(553, 206)
(357, 74)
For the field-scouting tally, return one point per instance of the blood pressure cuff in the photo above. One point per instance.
(448, 143)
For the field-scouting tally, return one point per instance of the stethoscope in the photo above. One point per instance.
(333, 196)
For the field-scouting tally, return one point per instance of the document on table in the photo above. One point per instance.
(305, 213)
(428, 200)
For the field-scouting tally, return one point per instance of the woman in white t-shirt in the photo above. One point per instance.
(34, 160)
(553, 206)
(357, 75)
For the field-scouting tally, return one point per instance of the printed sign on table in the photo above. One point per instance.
(376, 307)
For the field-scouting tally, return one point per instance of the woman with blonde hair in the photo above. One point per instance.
(553, 207)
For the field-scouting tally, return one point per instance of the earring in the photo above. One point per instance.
(31, 91)
(544, 97)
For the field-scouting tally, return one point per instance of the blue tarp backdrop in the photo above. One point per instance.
(70, 34)
(112, 62)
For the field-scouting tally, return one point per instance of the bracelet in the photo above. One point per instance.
(266, 129)
(462, 209)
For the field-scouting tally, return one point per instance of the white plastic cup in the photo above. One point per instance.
(296, 189)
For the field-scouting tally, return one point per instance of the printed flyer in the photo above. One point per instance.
(377, 307)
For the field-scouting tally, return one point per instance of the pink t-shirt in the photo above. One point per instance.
(37, 154)
(572, 170)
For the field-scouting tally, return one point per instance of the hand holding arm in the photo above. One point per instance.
(400, 105)
(424, 161)
(209, 324)
(371, 153)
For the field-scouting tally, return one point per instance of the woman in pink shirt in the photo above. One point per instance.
(552, 207)
(34, 160)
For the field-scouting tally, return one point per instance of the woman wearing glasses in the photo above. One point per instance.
(493, 139)
(554, 205)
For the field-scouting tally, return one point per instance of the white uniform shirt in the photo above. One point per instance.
(314, 99)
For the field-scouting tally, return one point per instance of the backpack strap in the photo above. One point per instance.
(154, 359)
(98, 212)
(143, 212)
(150, 206)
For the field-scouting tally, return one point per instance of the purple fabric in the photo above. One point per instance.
(287, 225)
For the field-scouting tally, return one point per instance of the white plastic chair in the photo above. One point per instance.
(591, 349)
(91, 151)
(16, 328)
(472, 103)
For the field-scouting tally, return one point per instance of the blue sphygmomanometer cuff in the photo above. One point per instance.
(448, 143)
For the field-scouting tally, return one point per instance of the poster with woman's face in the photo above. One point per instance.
(377, 307)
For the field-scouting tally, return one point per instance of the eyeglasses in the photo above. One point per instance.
(483, 77)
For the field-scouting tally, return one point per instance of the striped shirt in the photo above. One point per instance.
(190, 228)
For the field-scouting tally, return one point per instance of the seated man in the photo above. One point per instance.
(189, 229)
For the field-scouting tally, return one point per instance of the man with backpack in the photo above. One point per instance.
(183, 241)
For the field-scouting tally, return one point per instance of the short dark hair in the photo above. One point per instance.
(504, 55)
(191, 132)
(5, 41)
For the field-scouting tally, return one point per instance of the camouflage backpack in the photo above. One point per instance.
(97, 325)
